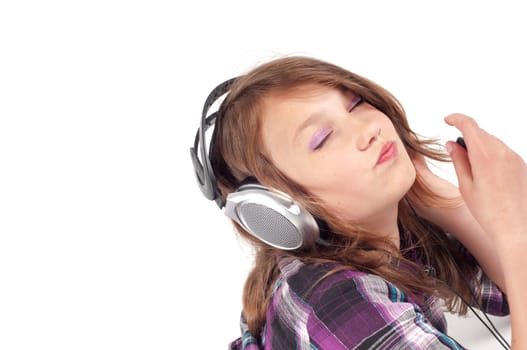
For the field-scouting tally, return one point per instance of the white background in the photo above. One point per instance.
(105, 239)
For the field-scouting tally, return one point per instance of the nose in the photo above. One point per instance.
(369, 133)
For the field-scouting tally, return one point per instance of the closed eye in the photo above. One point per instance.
(354, 102)
(318, 139)
(322, 135)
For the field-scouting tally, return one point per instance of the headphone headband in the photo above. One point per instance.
(203, 170)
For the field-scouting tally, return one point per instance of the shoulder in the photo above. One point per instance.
(315, 283)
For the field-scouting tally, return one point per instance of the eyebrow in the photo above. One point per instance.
(317, 115)
(312, 119)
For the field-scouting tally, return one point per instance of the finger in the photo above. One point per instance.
(461, 165)
(475, 137)
(465, 124)
(459, 119)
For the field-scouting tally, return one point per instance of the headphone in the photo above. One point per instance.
(269, 215)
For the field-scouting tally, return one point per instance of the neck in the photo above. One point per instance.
(386, 224)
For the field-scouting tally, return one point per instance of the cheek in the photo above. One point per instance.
(410, 172)
(356, 195)
(403, 179)
(340, 172)
(407, 164)
(345, 189)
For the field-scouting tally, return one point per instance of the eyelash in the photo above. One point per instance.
(350, 109)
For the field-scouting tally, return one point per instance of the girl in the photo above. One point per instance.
(386, 245)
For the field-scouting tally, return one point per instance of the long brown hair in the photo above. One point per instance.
(237, 152)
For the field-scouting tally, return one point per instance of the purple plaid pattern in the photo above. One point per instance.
(353, 310)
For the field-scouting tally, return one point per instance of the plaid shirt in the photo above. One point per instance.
(353, 310)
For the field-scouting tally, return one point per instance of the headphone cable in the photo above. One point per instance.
(495, 333)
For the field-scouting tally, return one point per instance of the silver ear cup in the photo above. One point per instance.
(272, 217)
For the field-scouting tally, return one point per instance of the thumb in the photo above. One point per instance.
(461, 165)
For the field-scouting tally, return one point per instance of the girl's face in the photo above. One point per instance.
(344, 151)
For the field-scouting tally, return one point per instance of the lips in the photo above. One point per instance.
(388, 151)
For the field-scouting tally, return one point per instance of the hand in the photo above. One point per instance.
(492, 179)
(437, 184)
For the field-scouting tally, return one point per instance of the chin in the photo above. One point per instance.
(406, 180)
(411, 175)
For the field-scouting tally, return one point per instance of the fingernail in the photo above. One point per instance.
(448, 147)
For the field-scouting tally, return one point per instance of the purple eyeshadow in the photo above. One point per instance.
(318, 138)
(355, 100)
